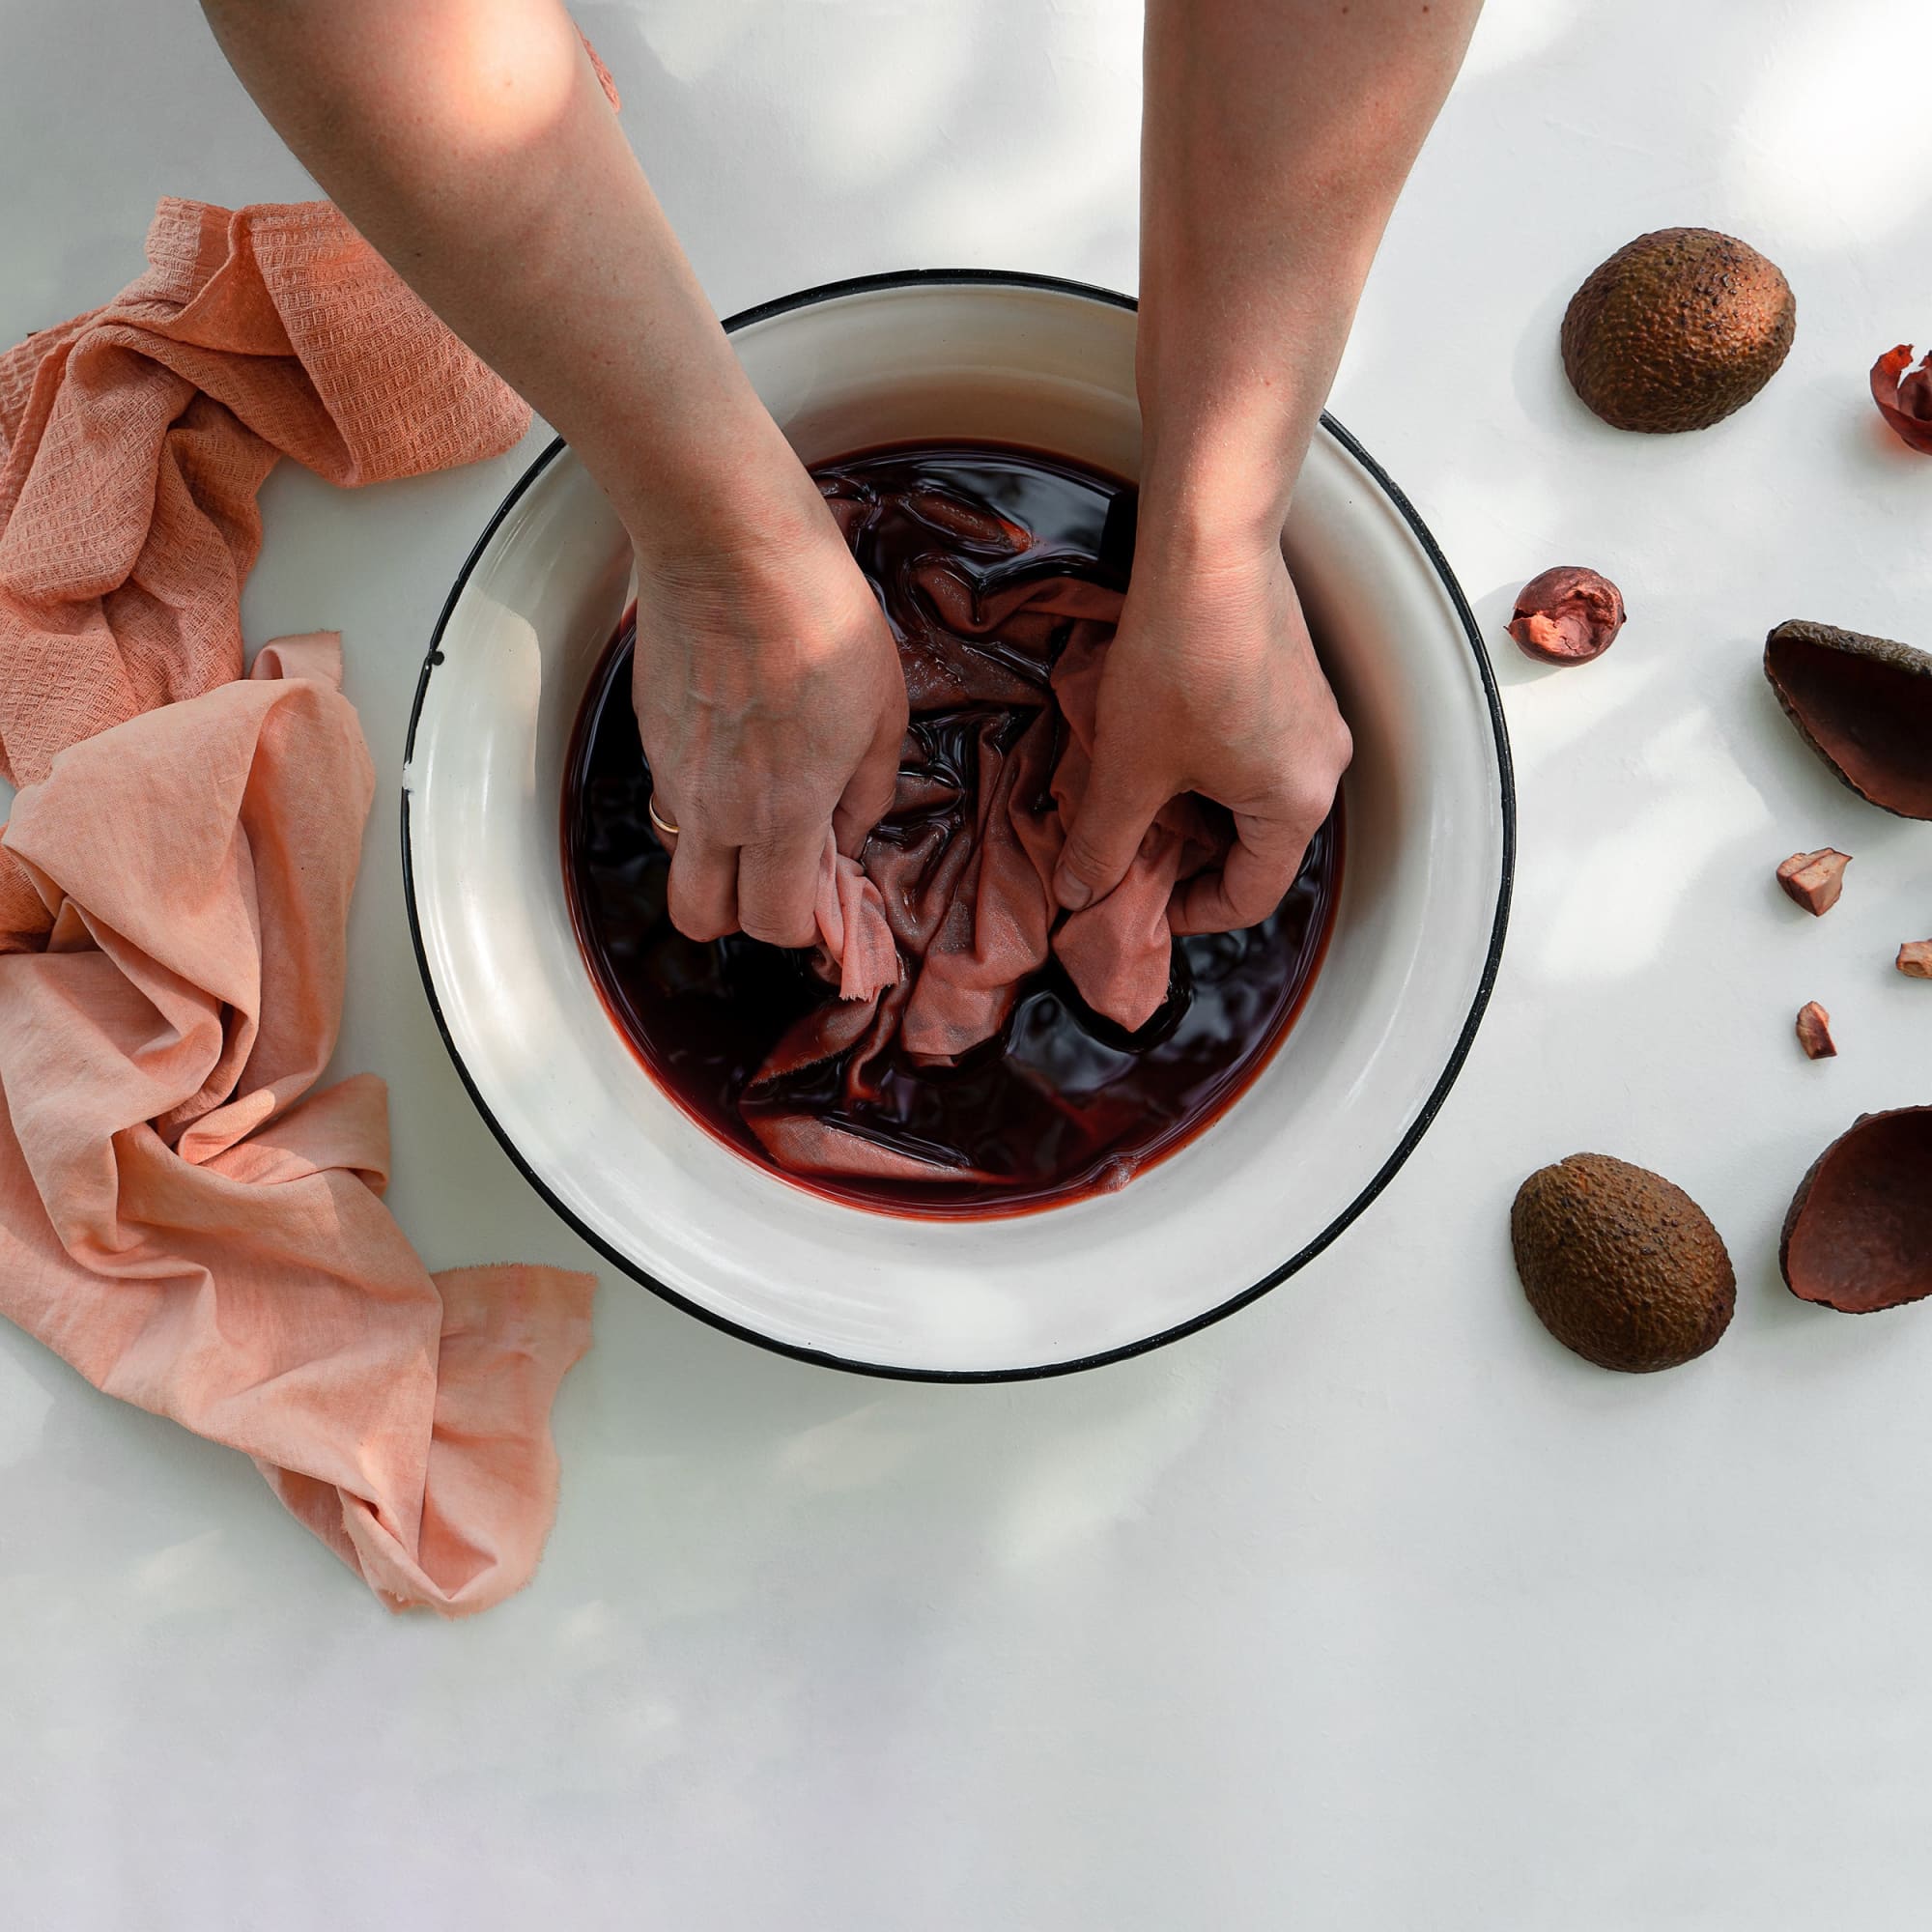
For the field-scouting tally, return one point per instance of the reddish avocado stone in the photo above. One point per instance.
(1858, 1233)
(1567, 616)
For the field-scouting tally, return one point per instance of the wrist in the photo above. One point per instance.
(1228, 410)
(737, 501)
(1208, 497)
(1221, 450)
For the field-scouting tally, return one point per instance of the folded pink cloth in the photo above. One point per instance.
(133, 440)
(949, 907)
(180, 1217)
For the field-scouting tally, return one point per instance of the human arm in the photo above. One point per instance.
(470, 142)
(1276, 136)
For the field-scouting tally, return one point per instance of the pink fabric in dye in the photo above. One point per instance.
(961, 910)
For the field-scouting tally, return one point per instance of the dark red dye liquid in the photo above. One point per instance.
(1064, 1102)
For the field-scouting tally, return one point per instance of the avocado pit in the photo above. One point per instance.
(1677, 329)
(1567, 616)
(1620, 1266)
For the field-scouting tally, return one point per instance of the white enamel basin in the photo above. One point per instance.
(1245, 1204)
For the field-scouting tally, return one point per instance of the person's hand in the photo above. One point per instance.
(1210, 685)
(770, 705)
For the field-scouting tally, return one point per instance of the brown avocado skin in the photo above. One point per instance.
(1677, 330)
(1858, 1235)
(1864, 704)
(1620, 1266)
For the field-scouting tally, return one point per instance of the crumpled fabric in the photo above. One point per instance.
(181, 1217)
(948, 908)
(134, 440)
(190, 1226)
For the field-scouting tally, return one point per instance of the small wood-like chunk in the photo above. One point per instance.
(1915, 959)
(1814, 1031)
(1814, 879)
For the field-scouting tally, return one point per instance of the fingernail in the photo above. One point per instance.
(1071, 892)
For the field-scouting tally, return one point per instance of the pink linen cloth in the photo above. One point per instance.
(181, 1217)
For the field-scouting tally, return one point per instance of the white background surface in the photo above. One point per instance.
(1370, 1607)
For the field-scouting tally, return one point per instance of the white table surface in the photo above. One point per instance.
(1370, 1607)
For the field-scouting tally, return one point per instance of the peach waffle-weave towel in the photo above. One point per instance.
(179, 1217)
(133, 440)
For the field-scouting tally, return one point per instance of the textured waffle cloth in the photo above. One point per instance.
(133, 440)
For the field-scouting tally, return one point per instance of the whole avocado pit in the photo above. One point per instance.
(1678, 329)
(1620, 1266)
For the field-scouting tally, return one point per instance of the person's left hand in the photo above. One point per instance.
(1210, 685)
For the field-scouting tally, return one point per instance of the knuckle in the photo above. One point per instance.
(1305, 804)
(696, 917)
(746, 816)
(1258, 898)
(790, 824)
(779, 812)
(703, 927)
(778, 929)
(1212, 911)
(1083, 859)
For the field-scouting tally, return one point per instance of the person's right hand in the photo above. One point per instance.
(770, 705)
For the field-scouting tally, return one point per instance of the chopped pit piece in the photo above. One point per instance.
(1814, 1031)
(1814, 879)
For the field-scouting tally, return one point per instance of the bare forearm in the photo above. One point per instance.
(1277, 136)
(470, 142)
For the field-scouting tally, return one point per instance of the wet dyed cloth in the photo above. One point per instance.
(181, 1216)
(930, 933)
